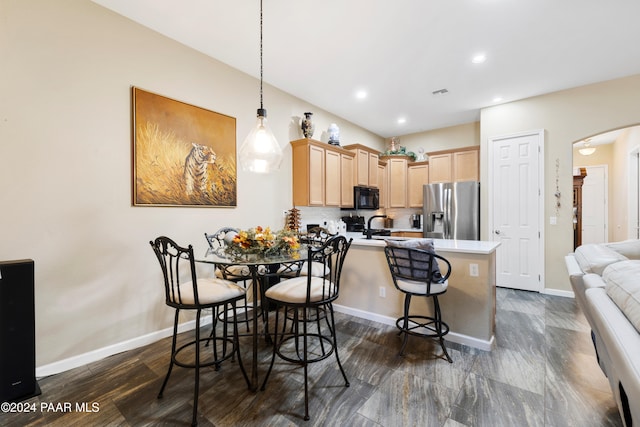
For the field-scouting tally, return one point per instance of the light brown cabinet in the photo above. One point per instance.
(366, 167)
(383, 183)
(407, 234)
(332, 190)
(319, 171)
(347, 170)
(417, 177)
(460, 164)
(397, 179)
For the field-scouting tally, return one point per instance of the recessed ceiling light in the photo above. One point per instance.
(361, 94)
(479, 58)
(402, 120)
(497, 99)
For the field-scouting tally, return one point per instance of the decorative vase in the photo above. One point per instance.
(334, 134)
(307, 125)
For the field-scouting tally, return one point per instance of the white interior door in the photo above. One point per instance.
(595, 205)
(515, 215)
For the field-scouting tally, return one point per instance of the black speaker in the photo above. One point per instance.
(17, 331)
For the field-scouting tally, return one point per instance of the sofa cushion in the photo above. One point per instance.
(595, 257)
(628, 248)
(623, 287)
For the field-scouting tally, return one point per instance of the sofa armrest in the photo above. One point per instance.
(622, 344)
(572, 265)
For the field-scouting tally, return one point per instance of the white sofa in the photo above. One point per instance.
(606, 282)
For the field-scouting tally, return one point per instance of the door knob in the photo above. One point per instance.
(496, 231)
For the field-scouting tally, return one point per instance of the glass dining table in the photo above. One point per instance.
(263, 269)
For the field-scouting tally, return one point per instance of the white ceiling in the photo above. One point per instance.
(400, 51)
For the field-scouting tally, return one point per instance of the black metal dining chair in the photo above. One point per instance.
(315, 236)
(416, 272)
(240, 274)
(312, 337)
(185, 291)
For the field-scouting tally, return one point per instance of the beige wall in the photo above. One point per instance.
(443, 139)
(65, 180)
(566, 116)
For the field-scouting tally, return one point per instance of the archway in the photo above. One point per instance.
(610, 196)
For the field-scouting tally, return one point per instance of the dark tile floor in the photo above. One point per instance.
(543, 372)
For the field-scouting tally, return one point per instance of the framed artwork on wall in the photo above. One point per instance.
(183, 155)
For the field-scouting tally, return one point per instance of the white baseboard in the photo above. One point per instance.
(451, 336)
(101, 353)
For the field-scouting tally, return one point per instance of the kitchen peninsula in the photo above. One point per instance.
(468, 306)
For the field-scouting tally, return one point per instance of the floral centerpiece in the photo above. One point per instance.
(260, 242)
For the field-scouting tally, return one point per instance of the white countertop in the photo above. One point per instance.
(462, 246)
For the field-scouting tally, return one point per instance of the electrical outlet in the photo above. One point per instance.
(383, 292)
(473, 270)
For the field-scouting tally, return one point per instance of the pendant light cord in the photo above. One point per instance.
(261, 106)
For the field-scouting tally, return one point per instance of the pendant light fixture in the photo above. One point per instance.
(260, 152)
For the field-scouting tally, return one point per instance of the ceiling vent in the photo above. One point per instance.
(440, 91)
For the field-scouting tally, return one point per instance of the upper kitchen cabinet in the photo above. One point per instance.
(397, 181)
(332, 190)
(417, 177)
(383, 183)
(347, 171)
(322, 174)
(366, 172)
(460, 164)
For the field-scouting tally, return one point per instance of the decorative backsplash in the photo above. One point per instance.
(322, 215)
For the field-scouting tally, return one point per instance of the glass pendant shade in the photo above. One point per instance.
(587, 151)
(260, 152)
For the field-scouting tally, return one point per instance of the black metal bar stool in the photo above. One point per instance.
(416, 272)
(184, 291)
(307, 302)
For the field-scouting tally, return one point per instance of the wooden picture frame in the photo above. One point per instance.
(183, 155)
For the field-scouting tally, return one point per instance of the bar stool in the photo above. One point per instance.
(184, 291)
(301, 300)
(240, 274)
(415, 272)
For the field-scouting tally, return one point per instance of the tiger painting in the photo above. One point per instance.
(195, 169)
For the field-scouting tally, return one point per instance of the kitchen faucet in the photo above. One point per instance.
(369, 224)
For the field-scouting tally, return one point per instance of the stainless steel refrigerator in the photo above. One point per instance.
(452, 210)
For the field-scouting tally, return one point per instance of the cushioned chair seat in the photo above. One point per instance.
(295, 290)
(210, 291)
(420, 288)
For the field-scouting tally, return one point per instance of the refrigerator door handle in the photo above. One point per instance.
(447, 213)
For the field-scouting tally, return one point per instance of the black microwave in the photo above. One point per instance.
(366, 198)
